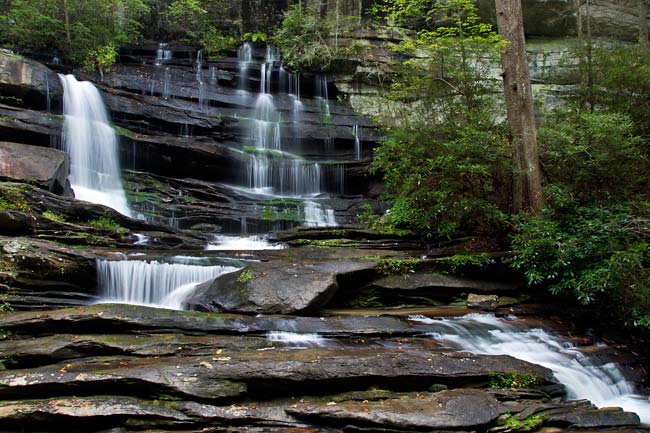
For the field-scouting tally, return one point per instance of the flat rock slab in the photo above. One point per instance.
(99, 318)
(87, 407)
(453, 409)
(230, 373)
(441, 283)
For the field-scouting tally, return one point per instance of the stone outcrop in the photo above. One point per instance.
(29, 82)
(163, 370)
(48, 167)
(276, 287)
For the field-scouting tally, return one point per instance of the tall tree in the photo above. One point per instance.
(643, 26)
(527, 174)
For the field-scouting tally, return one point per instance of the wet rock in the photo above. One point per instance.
(40, 273)
(28, 81)
(445, 285)
(48, 167)
(482, 302)
(25, 126)
(283, 287)
(443, 410)
(594, 418)
(278, 372)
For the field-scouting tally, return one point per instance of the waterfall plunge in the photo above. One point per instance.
(91, 143)
(152, 283)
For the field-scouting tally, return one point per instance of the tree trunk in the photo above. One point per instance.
(527, 174)
(66, 18)
(643, 26)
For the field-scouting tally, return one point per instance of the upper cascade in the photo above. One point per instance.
(91, 143)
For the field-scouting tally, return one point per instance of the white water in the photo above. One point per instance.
(604, 385)
(152, 283)
(244, 56)
(91, 143)
(356, 131)
(296, 340)
(316, 216)
(242, 243)
(163, 53)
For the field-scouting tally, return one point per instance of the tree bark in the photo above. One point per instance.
(528, 194)
(66, 18)
(643, 26)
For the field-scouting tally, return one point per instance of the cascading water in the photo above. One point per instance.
(604, 385)
(91, 143)
(322, 95)
(150, 282)
(356, 131)
(163, 53)
(280, 172)
(247, 243)
(244, 57)
(296, 340)
(316, 216)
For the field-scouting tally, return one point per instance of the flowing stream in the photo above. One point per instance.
(604, 385)
(91, 143)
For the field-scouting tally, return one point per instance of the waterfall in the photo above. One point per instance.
(152, 283)
(244, 57)
(91, 143)
(163, 53)
(242, 243)
(316, 216)
(604, 385)
(322, 95)
(356, 131)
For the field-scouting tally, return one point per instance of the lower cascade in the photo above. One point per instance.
(91, 143)
(152, 283)
(242, 243)
(604, 385)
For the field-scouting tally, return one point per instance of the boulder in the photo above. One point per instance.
(23, 162)
(275, 287)
(29, 82)
(421, 412)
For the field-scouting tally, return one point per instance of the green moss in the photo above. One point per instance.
(463, 261)
(281, 202)
(270, 213)
(104, 222)
(328, 243)
(508, 423)
(52, 216)
(512, 380)
(388, 267)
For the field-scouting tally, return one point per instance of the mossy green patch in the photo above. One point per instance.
(245, 276)
(52, 216)
(106, 223)
(512, 380)
(388, 267)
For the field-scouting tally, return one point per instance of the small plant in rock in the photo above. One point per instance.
(390, 267)
(457, 262)
(512, 380)
(245, 276)
(509, 423)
